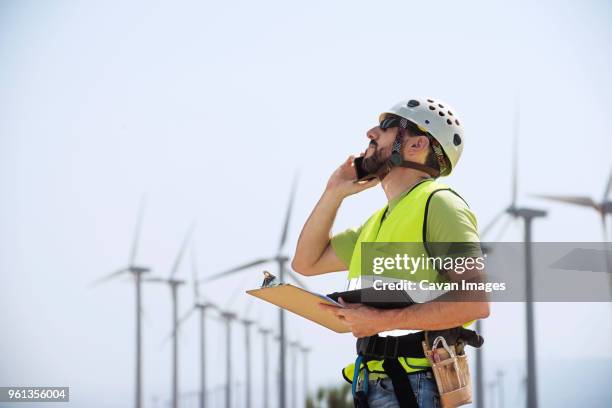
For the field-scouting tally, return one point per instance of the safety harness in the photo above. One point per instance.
(389, 349)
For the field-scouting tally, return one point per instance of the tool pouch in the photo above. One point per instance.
(451, 371)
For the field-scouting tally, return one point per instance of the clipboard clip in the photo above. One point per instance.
(269, 280)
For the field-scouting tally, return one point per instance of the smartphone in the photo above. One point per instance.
(362, 174)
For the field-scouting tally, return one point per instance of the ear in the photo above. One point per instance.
(416, 145)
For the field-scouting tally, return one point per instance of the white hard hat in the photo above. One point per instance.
(438, 119)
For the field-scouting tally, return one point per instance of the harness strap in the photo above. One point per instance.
(401, 383)
(418, 166)
(360, 397)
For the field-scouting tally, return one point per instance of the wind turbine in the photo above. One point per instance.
(500, 385)
(527, 215)
(264, 334)
(201, 306)
(228, 317)
(247, 338)
(136, 271)
(491, 386)
(174, 284)
(295, 346)
(305, 351)
(282, 261)
(603, 208)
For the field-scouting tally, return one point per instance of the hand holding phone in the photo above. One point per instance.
(362, 174)
(344, 182)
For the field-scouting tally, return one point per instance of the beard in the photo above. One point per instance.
(376, 164)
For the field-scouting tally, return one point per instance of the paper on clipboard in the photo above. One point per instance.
(303, 303)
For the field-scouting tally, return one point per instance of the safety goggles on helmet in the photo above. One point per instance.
(391, 121)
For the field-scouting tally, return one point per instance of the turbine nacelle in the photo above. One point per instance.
(138, 269)
(527, 213)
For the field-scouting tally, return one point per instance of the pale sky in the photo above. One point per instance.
(210, 108)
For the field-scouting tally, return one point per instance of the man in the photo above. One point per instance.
(416, 141)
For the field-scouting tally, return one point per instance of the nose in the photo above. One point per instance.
(371, 134)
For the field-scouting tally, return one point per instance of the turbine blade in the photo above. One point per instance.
(576, 200)
(288, 215)
(491, 224)
(179, 256)
(137, 230)
(212, 305)
(217, 318)
(182, 320)
(515, 136)
(108, 277)
(503, 228)
(154, 279)
(239, 268)
(608, 188)
(299, 281)
(194, 273)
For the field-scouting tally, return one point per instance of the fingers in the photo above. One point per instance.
(365, 184)
(369, 183)
(327, 306)
(335, 310)
(348, 305)
(330, 308)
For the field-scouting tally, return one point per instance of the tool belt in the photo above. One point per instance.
(380, 348)
(418, 345)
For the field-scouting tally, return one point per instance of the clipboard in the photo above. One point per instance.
(306, 304)
(302, 303)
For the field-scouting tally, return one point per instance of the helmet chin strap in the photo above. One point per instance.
(397, 160)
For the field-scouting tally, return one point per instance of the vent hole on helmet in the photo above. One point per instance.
(427, 121)
(412, 103)
(432, 107)
(440, 105)
(430, 101)
(441, 113)
(450, 122)
(456, 140)
(457, 122)
(450, 113)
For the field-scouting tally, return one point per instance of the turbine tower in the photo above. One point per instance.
(295, 346)
(500, 388)
(527, 215)
(228, 317)
(136, 271)
(174, 284)
(247, 339)
(305, 351)
(202, 307)
(266, 368)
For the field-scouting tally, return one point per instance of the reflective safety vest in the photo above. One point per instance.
(406, 223)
